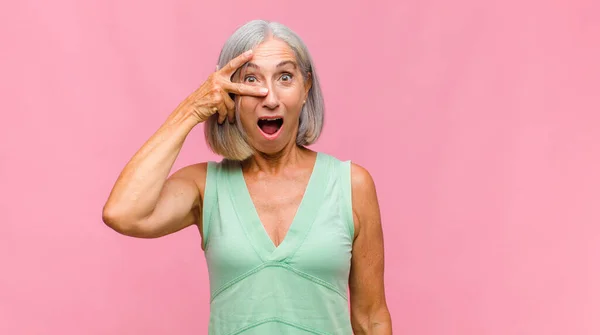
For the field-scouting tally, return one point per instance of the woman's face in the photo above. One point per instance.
(271, 122)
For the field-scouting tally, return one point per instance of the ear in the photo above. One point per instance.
(307, 85)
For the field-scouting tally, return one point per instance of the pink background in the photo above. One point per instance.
(479, 121)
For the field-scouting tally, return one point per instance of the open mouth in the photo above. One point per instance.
(270, 126)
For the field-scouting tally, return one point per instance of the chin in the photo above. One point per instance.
(272, 144)
(270, 147)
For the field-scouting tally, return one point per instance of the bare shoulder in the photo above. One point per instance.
(363, 187)
(362, 181)
(194, 172)
(191, 171)
(365, 206)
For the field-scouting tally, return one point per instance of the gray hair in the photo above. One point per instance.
(229, 140)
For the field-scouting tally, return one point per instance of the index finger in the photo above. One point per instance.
(236, 63)
(242, 89)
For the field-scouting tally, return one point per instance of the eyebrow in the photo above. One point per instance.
(282, 63)
(286, 62)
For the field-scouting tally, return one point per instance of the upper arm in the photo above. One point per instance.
(367, 269)
(179, 204)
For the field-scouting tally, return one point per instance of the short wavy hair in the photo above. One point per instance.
(229, 140)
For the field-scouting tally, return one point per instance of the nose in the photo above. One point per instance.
(271, 101)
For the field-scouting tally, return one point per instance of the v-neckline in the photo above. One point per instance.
(301, 222)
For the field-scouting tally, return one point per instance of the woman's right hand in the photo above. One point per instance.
(213, 95)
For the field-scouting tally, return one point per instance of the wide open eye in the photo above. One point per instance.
(286, 77)
(250, 79)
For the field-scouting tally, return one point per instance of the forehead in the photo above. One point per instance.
(272, 52)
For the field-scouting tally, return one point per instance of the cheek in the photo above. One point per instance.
(245, 107)
(293, 99)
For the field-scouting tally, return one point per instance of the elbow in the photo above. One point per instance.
(360, 326)
(115, 220)
(121, 223)
(372, 322)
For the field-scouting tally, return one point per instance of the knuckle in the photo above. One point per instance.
(212, 80)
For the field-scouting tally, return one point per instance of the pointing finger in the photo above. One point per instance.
(242, 89)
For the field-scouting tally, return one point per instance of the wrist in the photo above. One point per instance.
(183, 118)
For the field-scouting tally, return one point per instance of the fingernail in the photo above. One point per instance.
(264, 90)
(248, 53)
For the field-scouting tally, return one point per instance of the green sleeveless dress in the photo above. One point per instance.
(298, 287)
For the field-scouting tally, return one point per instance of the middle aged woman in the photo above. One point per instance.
(285, 230)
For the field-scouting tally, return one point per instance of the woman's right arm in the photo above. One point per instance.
(145, 201)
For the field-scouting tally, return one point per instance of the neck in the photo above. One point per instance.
(275, 163)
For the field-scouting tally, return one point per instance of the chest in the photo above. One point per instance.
(276, 201)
